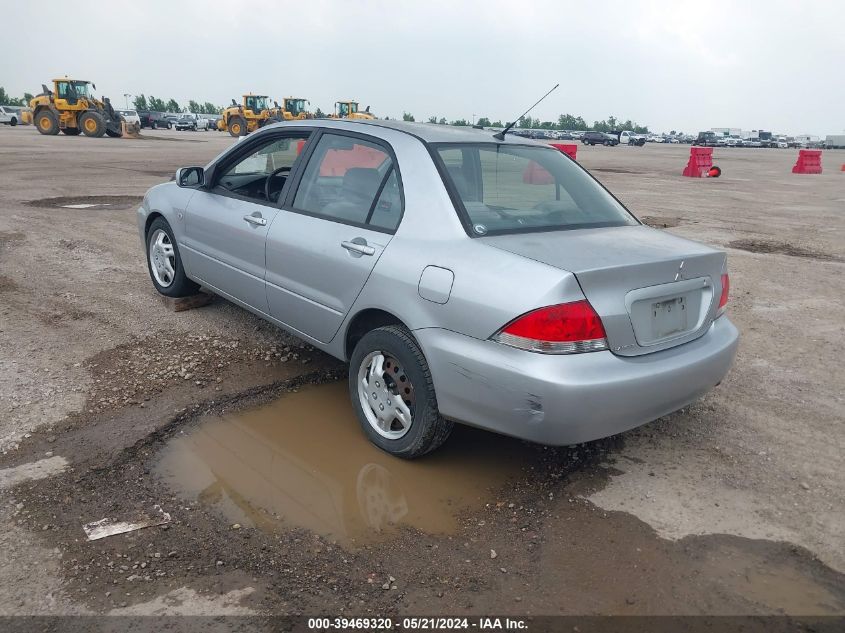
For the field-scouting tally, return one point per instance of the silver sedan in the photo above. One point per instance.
(464, 278)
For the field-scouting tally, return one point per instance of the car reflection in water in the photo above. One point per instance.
(303, 462)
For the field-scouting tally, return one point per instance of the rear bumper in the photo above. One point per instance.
(567, 399)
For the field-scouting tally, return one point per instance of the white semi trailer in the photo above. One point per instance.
(834, 141)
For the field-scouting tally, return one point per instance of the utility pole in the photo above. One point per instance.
(126, 96)
(473, 119)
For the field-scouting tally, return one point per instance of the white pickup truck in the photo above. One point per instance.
(627, 137)
(9, 116)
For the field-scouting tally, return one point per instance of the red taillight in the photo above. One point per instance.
(723, 300)
(566, 328)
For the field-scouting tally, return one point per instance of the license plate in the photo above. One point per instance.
(668, 317)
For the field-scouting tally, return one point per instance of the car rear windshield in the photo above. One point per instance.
(505, 188)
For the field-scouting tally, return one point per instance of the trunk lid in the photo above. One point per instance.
(652, 290)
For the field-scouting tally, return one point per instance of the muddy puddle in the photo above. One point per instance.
(769, 247)
(660, 222)
(81, 203)
(303, 461)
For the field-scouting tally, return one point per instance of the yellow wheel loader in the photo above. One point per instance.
(349, 110)
(254, 112)
(72, 108)
(293, 109)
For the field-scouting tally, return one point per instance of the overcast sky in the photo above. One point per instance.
(687, 66)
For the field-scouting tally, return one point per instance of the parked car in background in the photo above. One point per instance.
(191, 121)
(130, 116)
(707, 139)
(599, 138)
(752, 142)
(620, 324)
(9, 115)
(782, 143)
(212, 120)
(171, 119)
(153, 120)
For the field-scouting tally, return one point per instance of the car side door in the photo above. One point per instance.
(226, 221)
(338, 218)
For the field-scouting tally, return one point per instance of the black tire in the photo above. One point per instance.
(237, 126)
(428, 429)
(181, 286)
(152, 125)
(47, 122)
(13, 122)
(71, 131)
(92, 124)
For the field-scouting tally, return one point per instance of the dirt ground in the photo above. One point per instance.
(735, 505)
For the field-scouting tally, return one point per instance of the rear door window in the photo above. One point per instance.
(351, 180)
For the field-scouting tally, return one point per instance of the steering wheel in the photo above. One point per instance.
(267, 182)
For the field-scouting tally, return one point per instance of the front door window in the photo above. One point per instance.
(263, 172)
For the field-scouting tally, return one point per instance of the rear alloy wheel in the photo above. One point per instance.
(47, 123)
(237, 126)
(393, 394)
(164, 262)
(92, 124)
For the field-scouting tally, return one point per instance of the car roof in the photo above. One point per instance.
(426, 132)
(436, 133)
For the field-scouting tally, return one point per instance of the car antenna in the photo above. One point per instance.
(501, 135)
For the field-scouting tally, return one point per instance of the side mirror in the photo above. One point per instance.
(94, 86)
(190, 176)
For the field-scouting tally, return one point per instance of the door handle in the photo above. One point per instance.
(361, 249)
(255, 220)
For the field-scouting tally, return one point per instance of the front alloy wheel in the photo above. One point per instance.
(162, 258)
(165, 264)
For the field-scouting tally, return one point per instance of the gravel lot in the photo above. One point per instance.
(735, 505)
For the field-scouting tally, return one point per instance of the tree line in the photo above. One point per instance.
(7, 99)
(564, 122)
(155, 104)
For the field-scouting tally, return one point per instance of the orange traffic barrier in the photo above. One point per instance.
(338, 161)
(809, 162)
(700, 162)
(536, 174)
(570, 149)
